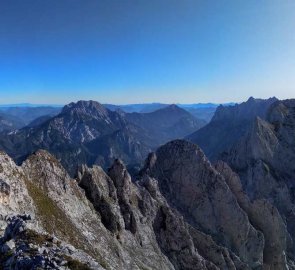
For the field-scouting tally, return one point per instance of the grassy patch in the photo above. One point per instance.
(36, 238)
(53, 219)
(103, 263)
(73, 264)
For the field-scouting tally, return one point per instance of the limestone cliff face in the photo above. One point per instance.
(265, 217)
(180, 213)
(268, 150)
(13, 192)
(264, 160)
(192, 185)
(60, 208)
(116, 223)
(141, 219)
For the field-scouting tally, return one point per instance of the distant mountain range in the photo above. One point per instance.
(28, 105)
(139, 107)
(87, 132)
(203, 111)
(27, 112)
(9, 122)
(21, 116)
(149, 107)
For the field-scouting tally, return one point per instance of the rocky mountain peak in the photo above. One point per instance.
(90, 107)
(85, 132)
(244, 111)
(120, 176)
(43, 159)
(47, 172)
(172, 107)
(280, 111)
(192, 185)
(229, 125)
(181, 151)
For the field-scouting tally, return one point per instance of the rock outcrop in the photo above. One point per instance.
(256, 140)
(265, 217)
(60, 208)
(192, 185)
(180, 213)
(25, 248)
(264, 160)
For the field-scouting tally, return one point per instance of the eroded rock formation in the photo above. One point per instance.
(180, 213)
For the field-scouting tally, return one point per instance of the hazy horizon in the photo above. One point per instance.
(29, 104)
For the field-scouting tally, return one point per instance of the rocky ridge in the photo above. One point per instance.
(261, 154)
(264, 160)
(180, 213)
(230, 123)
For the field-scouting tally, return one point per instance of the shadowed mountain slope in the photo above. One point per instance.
(166, 124)
(228, 125)
(264, 159)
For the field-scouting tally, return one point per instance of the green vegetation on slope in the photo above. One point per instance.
(53, 219)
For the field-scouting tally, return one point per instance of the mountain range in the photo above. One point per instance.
(13, 118)
(95, 188)
(87, 132)
(26, 112)
(204, 111)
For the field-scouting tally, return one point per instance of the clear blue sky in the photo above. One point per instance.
(127, 51)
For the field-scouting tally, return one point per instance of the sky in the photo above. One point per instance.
(139, 51)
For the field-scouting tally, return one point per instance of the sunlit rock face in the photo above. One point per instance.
(180, 212)
(264, 160)
(193, 186)
(4, 192)
(260, 168)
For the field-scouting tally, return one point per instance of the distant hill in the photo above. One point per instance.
(28, 114)
(167, 123)
(140, 108)
(9, 122)
(204, 111)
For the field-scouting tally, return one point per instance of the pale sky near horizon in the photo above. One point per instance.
(138, 51)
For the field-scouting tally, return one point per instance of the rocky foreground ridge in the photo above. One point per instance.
(181, 212)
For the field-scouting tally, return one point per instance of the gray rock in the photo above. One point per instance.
(190, 184)
(180, 213)
(264, 160)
